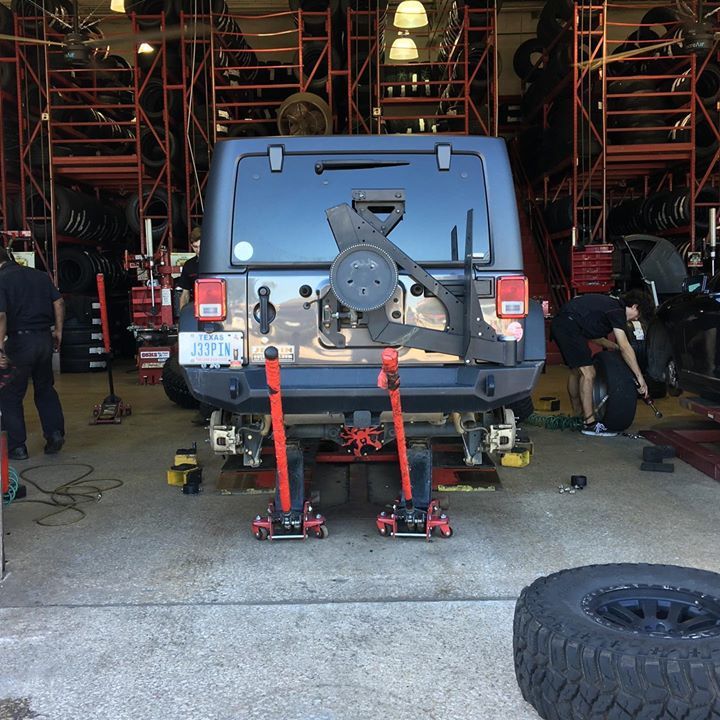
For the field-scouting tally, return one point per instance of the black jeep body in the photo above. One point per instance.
(331, 249)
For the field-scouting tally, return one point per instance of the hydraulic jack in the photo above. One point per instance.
(415, 514)
(294, 520)
(112, 409)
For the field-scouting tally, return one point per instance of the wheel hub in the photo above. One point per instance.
(363, 277)
(660, 611)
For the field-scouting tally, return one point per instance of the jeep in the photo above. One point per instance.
(331, 249)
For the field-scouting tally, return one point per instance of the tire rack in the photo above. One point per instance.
(235, 98)
(8, 174)
(236, 88)
(615, 170)
(450, 103)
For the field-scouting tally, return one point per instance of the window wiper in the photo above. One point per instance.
(321, 167)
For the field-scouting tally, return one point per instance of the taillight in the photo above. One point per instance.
(210, 299)
(512, 296)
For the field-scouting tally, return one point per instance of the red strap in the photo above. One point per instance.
(390, 370)
(272, 374)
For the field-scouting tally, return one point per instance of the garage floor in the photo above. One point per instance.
(161, 605)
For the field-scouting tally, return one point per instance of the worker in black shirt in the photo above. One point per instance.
(593, 317)
(189, 273)
(29, 306)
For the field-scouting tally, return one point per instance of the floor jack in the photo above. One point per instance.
(295, 520)
(406, 520)
(112, 409)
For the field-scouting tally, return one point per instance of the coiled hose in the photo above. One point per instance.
(555, 422)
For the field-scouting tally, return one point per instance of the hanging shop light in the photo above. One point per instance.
(410, 14)
(145, 48)
(117, 6)
(403, 48)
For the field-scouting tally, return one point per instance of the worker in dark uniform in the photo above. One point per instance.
(189, 273)
(31, 317)
(593, 317)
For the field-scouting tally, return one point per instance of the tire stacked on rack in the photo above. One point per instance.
(163, 210)
(78, 268)
(559, 215)
(543, 64)
(59, 13)
(662, 211)
(76, 215)
(105, 136)
(82, 348)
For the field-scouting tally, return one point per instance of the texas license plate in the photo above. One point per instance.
(220, 348)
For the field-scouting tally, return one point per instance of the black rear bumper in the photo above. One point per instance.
(310, 390)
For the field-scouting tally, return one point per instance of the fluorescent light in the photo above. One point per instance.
(404, 48)
(145, 48)
(410, 14)
(117, 6)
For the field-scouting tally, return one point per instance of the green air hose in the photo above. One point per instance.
(555, 422)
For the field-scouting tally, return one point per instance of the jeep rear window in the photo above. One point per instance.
(279, 217)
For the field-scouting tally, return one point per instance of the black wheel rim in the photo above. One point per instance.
(672, 374)
(655, 610)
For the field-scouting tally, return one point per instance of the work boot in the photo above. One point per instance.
(54, 443)
(18, 453)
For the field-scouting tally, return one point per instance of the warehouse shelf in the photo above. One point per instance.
(629, 121)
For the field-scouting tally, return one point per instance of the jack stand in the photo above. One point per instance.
(290, 522)
(420, 522)
(289, 526)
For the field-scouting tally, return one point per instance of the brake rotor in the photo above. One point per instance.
(363, 277)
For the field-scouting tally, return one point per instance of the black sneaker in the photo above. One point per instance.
(597, 429)
(18, 453)
(54, 444)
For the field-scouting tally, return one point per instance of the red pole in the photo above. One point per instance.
(390, 369)
(272, 374)
(4, 466)
(103, 311)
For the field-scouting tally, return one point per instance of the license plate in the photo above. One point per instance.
(221, 348)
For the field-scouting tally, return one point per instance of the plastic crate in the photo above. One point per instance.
(592, 268)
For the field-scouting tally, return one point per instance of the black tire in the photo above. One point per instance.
(586, 646)
(76, 270)
(78, 366)
(614, 379)
(82, 352)
(81, 336)
(522, 409)
(175, 386)
(524, 62)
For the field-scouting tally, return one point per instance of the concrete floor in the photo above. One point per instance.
(163, 606)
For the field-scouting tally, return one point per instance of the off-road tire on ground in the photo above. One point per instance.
(600, 642)
(614, 378)
(175, 386)
(522, 409)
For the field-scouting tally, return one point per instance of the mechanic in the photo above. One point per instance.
(593, 317)
(30, 305)
(189, 273)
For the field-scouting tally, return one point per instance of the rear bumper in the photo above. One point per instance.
(346, 389)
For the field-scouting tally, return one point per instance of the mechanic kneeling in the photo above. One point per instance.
(592, 317)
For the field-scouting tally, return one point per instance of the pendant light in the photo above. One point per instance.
(403, 48)
(410, 14)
